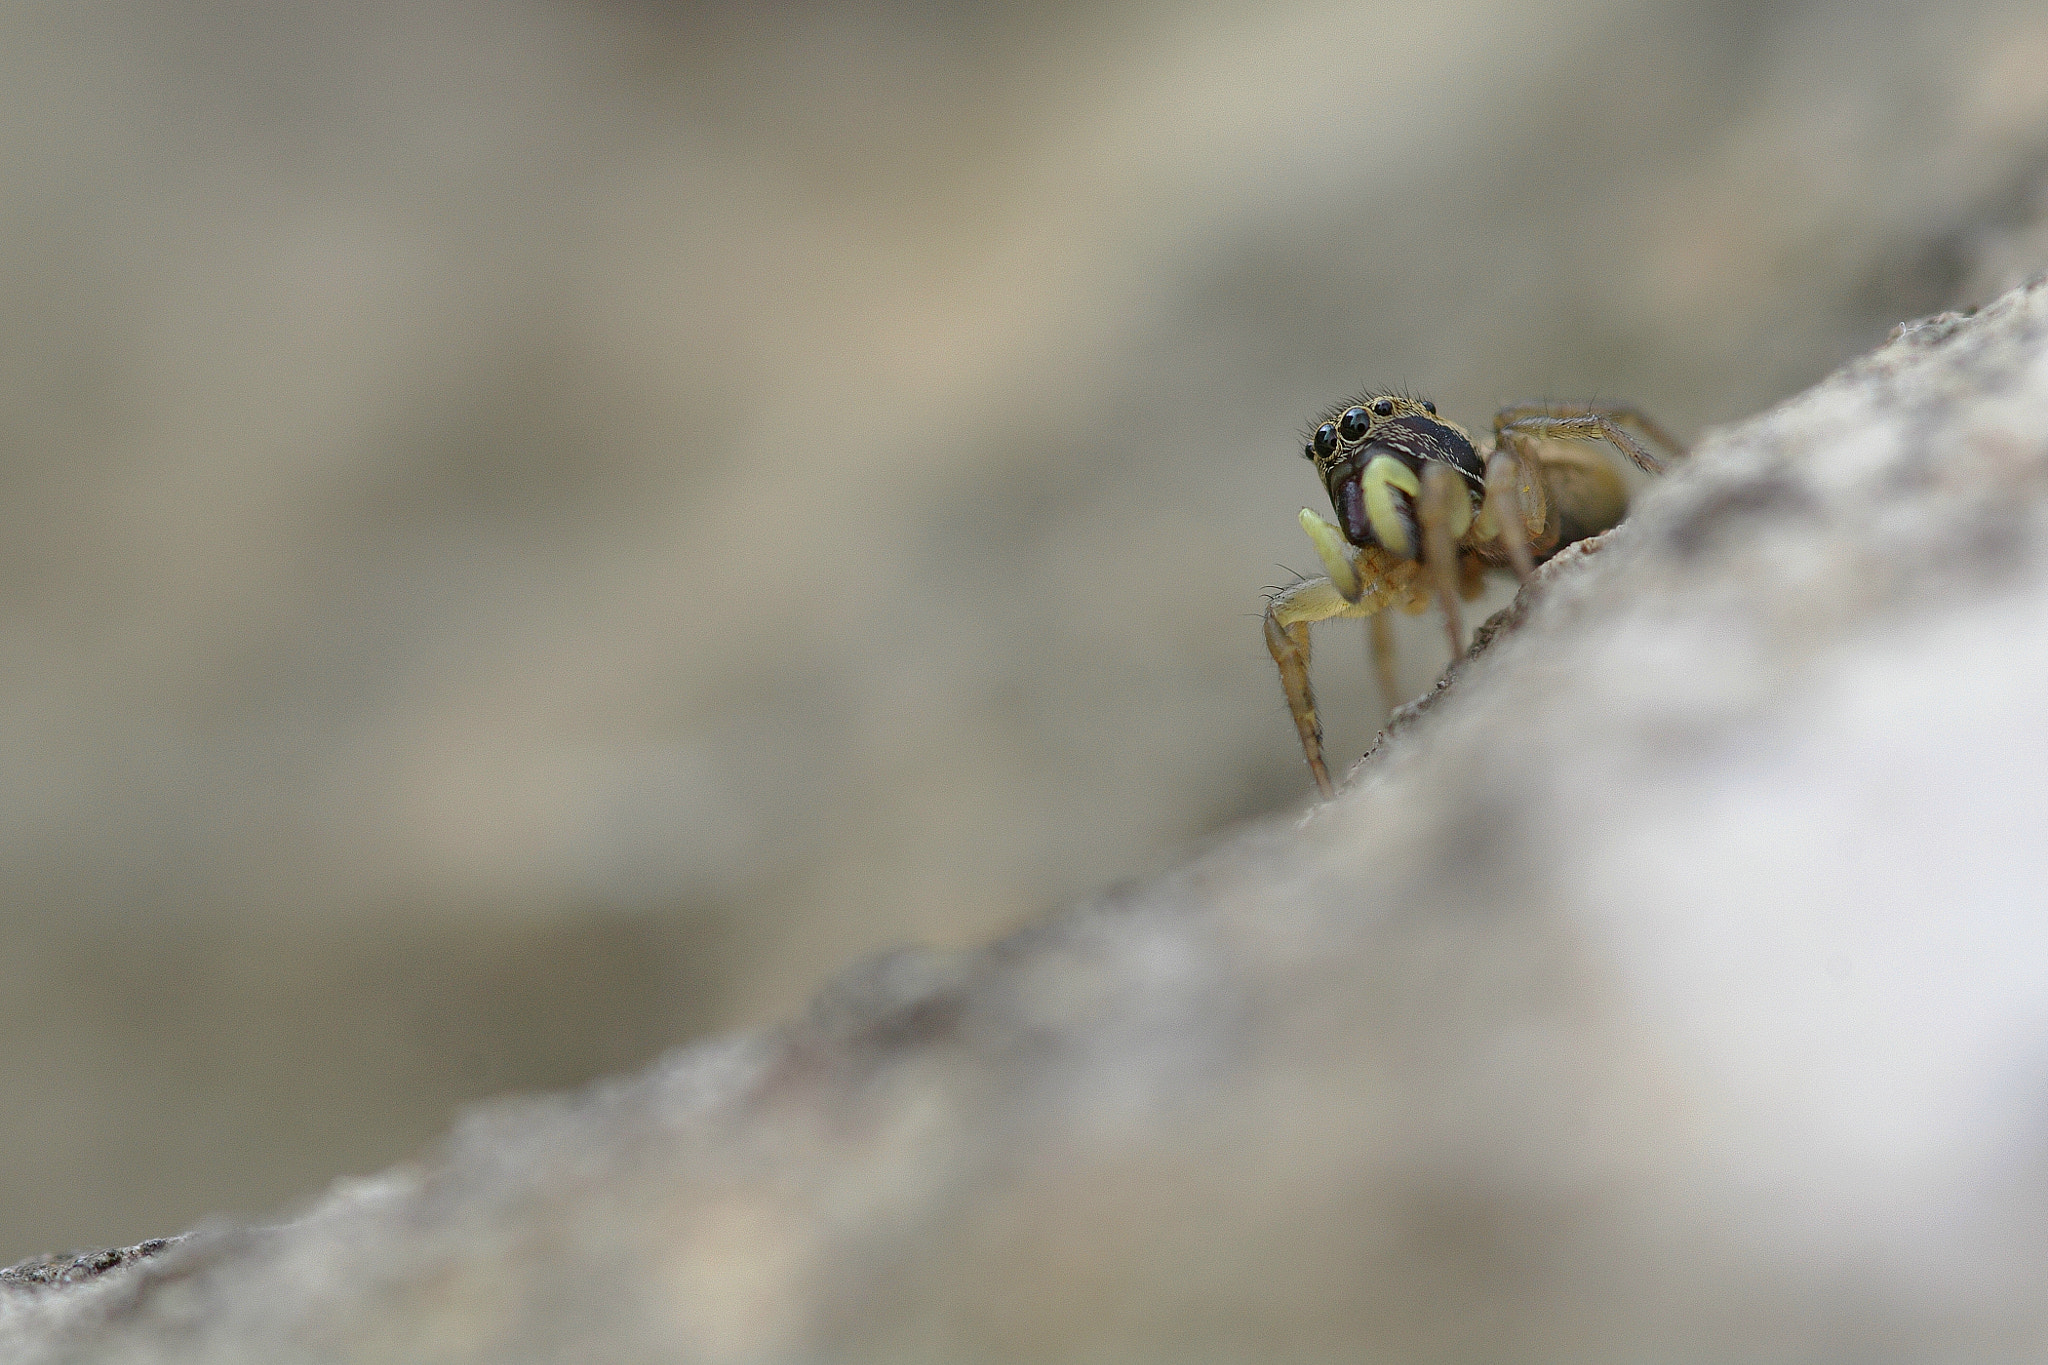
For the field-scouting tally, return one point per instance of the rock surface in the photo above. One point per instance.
(1669, 989)
(404, 415)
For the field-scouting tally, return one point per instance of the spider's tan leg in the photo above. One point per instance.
(1384, 581)
(1336, 554)
(1379, 630)
(1527, 487)
(1471, 575)
(1625, 428)
(1287, 620)
(1505, 475)
(1444, 511)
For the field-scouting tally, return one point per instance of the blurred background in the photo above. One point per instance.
(536, 530)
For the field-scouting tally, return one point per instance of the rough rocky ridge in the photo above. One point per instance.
(1670, 989)
(404, 409)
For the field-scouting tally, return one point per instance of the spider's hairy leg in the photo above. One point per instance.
(1379, 641)
(1445, 512)
(1287, 621)
(1500, 516)
(1522, 484)
(1471, 575)
(1626, 429)
(1385, 582)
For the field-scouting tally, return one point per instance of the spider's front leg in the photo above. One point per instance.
(1516, 515)
(1361, 582)
(1444, 511)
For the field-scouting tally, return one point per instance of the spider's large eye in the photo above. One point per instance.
(1351, 426)
(1325, 441)
(1383, 407)
(1429, 407)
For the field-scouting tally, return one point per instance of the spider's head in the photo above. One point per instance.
(1371, 453)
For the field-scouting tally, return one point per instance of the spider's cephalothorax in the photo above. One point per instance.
(1372, 456)
(1422, 515)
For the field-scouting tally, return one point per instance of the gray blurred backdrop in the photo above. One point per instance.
(536, 531)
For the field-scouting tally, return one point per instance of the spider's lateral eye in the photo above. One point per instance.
(1351, 426)
(1429, 407)
(1326, 439)
(1308, 450)
(1383, 407)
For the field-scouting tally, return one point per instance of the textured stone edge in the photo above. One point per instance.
(61, 1269)
(872, 1001)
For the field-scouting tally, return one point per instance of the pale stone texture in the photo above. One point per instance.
(535, 531)
(1671, 989)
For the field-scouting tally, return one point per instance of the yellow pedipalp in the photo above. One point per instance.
(1335, 554)
(1382, 476)
(1459, 505)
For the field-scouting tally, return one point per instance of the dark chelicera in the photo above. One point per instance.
(1413, 441)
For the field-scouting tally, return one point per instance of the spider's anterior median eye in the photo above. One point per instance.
(1383, 407)
(1351, 426)
(1429, 407)
(1325, 441)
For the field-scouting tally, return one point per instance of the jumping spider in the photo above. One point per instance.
(1422, 515)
